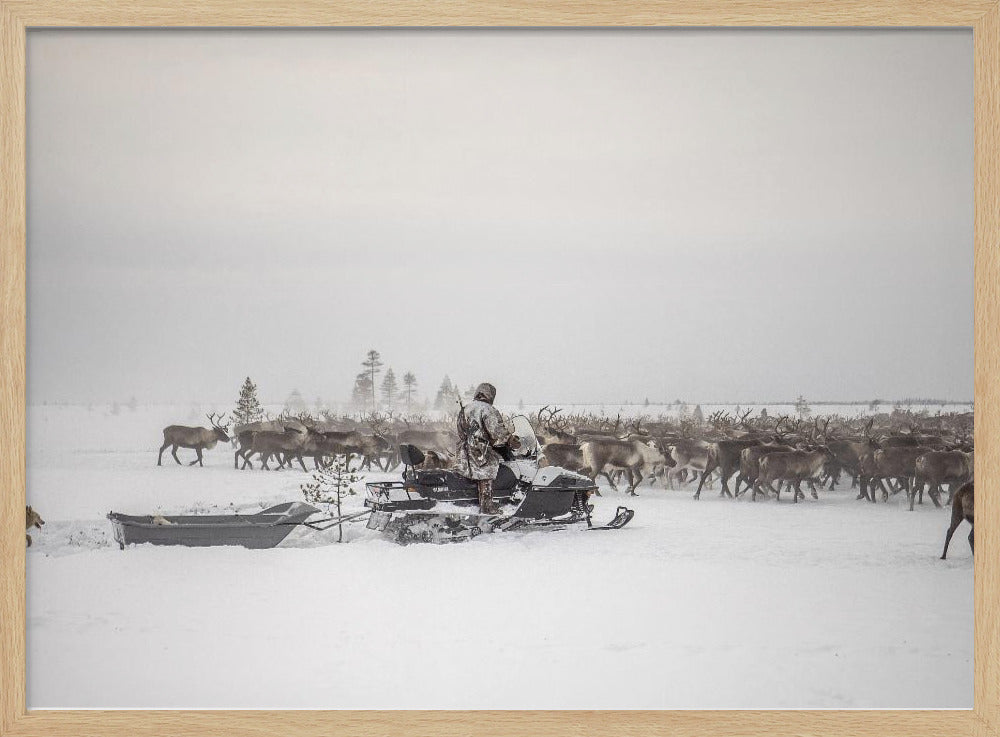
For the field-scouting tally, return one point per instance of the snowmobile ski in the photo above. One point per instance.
(622, 517)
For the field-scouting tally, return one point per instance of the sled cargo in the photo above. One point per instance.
(261, 530)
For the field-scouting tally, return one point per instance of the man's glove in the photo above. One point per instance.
(514, 443)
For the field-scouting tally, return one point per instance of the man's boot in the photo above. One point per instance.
(486, 505)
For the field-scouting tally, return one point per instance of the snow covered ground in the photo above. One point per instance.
(710, 604)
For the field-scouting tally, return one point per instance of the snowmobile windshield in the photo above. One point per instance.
(521, 427)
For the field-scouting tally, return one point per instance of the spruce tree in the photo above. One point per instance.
(390, 389)
(248, 407)
(362, 392)
(410, 382)
(373, 366)
(295, 404)
(445, 395)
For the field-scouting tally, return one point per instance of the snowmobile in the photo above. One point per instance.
(441, 506)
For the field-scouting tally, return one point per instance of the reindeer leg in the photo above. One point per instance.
(173, 452)
(302, 463)
(608, 476)
(972, 547)
(159, 459)
(885, 492)
(947, 538)
(635, 478)
(725, 486)
(198, 459)
(701, 483)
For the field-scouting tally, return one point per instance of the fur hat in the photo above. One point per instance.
(486, 393)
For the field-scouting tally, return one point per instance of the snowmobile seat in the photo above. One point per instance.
(506, 480)
(411, 455)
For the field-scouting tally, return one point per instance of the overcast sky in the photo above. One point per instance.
(576, 216)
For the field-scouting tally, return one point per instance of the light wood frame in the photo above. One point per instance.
(16, 16)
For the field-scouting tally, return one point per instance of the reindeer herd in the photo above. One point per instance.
(761, 455)
(883, 454)
(908, 453)
(288, 439)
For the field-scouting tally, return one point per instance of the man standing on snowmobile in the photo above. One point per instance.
(481, 433)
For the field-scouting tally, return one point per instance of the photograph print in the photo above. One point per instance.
(499, 369)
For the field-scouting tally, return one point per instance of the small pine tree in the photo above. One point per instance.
(390, 389)
(802, 407)
(330, 485)
(445, 394)
(410, 382)
(373, 366)
(362, 392)
(295, 404)
(132, 403)
(248, 407)
(698, 416)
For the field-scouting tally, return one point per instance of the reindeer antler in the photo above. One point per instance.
(216, 420)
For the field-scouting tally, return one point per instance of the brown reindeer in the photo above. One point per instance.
(564, 455)
(196, 438)
(750, 459)
(441, 442)
(637, 457)
(687, 456)
(724, 455)
(434, 460)
(962, 507)
(31, 519)
(244, 438)
(848, 452)
(352, 442)
(551, 430)
(794, 467)
(952, 467)
(898, 463)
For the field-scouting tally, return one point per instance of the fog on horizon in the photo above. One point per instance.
(576, 216)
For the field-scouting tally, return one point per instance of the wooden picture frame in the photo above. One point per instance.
(17, 16)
